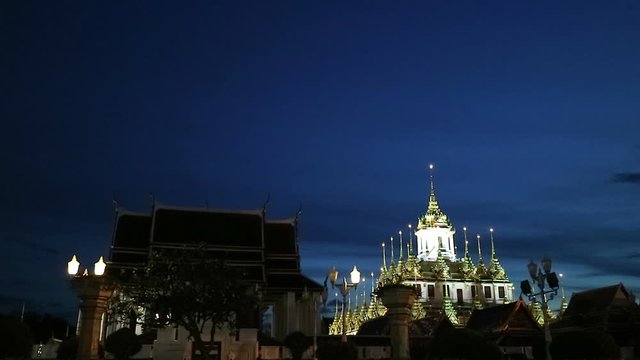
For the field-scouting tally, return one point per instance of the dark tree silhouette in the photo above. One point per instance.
(123, 344)
(15, 340)
(44, 326)
(187, 288)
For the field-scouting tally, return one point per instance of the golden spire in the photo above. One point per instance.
(433, 192)
(479, 250)
(468, 269)
(373, 282)
(434, 216)
(466, 242)
(400, 236)
(495, 269)
(384, 257)
(392, 250)
(480, 269)
(410, 241)
(493, 248)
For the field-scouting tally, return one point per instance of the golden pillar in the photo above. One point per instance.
(94, 291)
(398, 299)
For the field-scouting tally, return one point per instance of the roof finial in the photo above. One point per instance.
(410, 241)
(400, 235)
(266, 203)
(479, 249)
(152, 200)
(298, 213)
(493, 248)
(431, 179)
(392, 250)
(384, 257)
(466, 242)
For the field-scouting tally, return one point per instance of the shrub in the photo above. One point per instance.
(123, 344)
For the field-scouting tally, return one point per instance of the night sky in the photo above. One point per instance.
(530, 112)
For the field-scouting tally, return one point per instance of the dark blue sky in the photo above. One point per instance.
(530, 111)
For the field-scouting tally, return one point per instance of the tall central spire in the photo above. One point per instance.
(433, 202)
(434, 216)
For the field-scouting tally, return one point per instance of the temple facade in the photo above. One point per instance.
(264, 251)
(443, 280)
(428, 261)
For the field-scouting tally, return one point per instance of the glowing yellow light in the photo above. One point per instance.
(73, 266)
(355, 275)
(98, 268)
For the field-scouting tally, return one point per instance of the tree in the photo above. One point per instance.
(15, 340)
(297, 342)
(123, 344)
(188, 288)
(43, 326)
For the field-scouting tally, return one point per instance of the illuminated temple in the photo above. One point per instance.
(447, 285)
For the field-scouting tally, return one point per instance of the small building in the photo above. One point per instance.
(611, 309)
(264, 250)
(511, 327)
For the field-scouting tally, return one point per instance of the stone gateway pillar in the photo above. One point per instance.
(398, 300)
(94, 292)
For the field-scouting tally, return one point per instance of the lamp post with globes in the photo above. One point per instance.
(344, 290)
(542, 279)
(94, 290)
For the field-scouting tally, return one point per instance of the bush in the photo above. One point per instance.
(123, 344)
(15, 340)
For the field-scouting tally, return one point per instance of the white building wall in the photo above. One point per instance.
(429, 241)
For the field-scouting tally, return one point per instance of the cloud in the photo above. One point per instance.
(626, 178)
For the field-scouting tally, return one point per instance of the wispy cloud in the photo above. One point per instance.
(626, 178)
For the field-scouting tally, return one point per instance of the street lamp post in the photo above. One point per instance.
(94, 291)
(541, 279)
(344, 290)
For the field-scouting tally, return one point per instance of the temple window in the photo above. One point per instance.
(487, 292)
